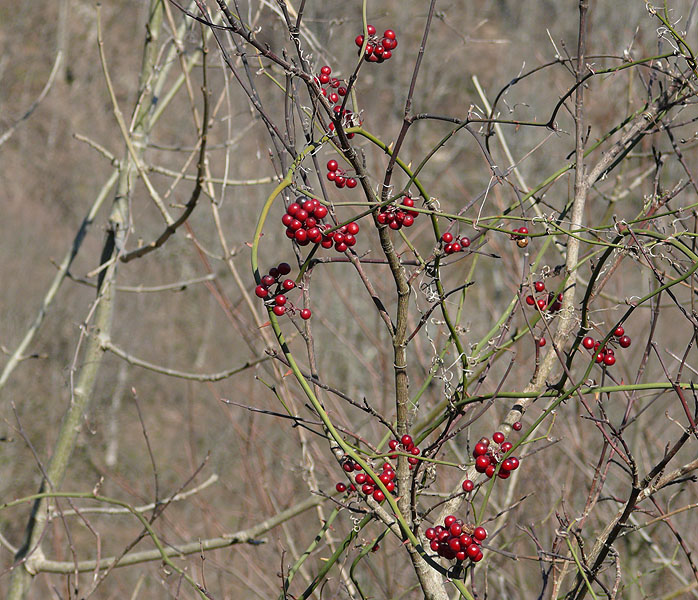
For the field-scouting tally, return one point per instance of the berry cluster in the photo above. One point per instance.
(339, 176)
(407, 445)
(367, 484)
(519, 235)
(334, 91)
(488, 456)
(377, 49)
(606, 355)
(395, 217)
(303, 221)
(454, 244)
(276, 298)
(456, 540)
(331, 88)
(546, 301)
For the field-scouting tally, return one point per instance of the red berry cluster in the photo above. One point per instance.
(407, 445)
(377, 49)
(303, 221)
(606, 355)
(331, 88)
(276, 298)
(367, 484)
(395, 217)
(456, 540)
(454, 244)
(519, 235)
(488, 456)
(339, 176)
(546, 301)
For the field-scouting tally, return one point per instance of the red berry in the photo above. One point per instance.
(472, 550)
(619, 331)
(624, 341)
(406, 441)
(378, 495)
(284, 268)
(340, 487)
(507, 465)
(392, 444)
(542, 303)
(279, 310)
(539, 286)
(408, 221)
(267, 280)
(280, 300)
(454, 543)
(261, 291)
(351, 182)
(588, 342)
(371, 30)
(449, 520)
(461, 555)
(430, 533)
(456, 530)
(367, 488)
(293, 208)
(523, 230)
(481, 463)
(359, 41)
(455, 247)
(609, 360)
(479, 449)
(353, 228)
(517, 426)
(434, 545)
(332, 165)
(325, 70)
(288, 284)
(447, 237)
(480, 533)
(530, 300)
(541, 342)
(498, 437)
(306, 314)
(506, 446)
(514, 463)
(465, 243)
(468, 485)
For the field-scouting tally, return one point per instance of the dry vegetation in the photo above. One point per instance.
(189, 306)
